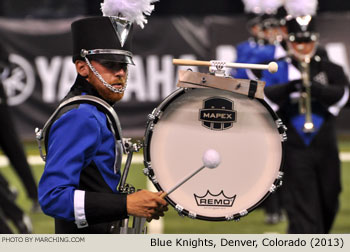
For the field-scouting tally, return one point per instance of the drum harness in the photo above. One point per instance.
(128, 147)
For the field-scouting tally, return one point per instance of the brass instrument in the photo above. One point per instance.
(305, 96)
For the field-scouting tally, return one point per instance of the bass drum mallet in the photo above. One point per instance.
(211, 159)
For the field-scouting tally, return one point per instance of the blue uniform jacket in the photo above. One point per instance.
(79, 183)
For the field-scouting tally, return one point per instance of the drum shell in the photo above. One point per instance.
(180, 112)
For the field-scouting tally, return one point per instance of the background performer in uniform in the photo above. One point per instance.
(306, 87)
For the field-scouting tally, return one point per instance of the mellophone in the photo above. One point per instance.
(227, 115)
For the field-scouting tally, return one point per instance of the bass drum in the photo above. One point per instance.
(245, 132)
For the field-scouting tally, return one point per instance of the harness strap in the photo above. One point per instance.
(112, 119)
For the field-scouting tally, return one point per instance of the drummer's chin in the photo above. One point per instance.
(115, 97)
(110, 96)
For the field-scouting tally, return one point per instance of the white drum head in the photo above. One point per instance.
(244, 133)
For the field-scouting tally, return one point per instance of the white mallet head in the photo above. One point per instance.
(211, 159)
(272, 67)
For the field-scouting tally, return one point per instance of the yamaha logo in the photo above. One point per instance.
(217, 113)
(215, 200)
(20, 83)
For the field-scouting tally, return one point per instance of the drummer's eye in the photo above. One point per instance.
(110, 64)
(114, 65)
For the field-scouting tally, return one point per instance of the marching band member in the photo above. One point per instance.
(245, 49)
(79, 184)
(265, 45)
(308, 93)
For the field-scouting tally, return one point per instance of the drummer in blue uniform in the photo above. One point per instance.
(245, 49)
(79, 184)
(269, 42)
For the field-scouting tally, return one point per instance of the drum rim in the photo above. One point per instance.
(147, 159)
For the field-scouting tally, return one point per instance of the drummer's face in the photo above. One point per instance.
(303, 47)
(113, 73)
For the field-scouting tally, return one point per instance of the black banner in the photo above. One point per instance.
(43, 72)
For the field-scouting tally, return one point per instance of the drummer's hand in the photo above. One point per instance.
(146, 204)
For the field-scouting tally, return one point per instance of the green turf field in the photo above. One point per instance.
(173, 223)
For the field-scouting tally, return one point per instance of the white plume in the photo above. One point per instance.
(131, 10)
(297, 8)
(271, 6)
(252, 6)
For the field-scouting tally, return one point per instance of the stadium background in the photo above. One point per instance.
(38, 31)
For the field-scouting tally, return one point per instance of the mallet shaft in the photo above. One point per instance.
(183, 181)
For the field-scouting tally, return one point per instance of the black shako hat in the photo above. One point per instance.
(107, 38)
(302, 29)
(276, 19)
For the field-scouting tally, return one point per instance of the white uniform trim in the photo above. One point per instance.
(79, 209)
(335, 109)
(293, 72)
(280, 52)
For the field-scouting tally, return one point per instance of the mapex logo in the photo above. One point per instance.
(216, 200)
(217, 113)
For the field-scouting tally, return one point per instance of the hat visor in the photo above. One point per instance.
(112, 57)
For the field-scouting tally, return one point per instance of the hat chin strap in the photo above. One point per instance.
(98, 75)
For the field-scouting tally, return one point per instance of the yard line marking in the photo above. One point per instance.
(345, 156)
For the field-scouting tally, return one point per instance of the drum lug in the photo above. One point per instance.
(146, 171)
(148, 168)
(279, 179)
(179, 210)
(282, 129)
(232, 218)
(273, 188)
(155, 116)
(284, 137)
(192, 215)
(243, 213)
(151, 126)
(151, 117)
(280, 175)
(154, 180)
